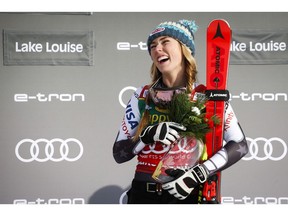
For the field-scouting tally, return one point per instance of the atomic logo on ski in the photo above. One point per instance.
(218, 32)
(217, 95)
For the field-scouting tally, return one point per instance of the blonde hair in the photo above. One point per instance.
(190, 77)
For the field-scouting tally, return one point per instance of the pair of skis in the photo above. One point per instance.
(218, 53)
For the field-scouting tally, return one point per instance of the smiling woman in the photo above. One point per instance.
(148, 130)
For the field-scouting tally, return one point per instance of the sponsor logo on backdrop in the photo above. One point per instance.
(260, 96)
(40, 97)
(233, 200)
(43, 150)
(261, 149)
(252, 46)
(48, 48)
(124, 46)
(245, 97)
(51, 201)
(256, 46)
(247, 46)
(254, 200)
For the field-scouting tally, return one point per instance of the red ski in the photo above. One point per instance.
(218, 53)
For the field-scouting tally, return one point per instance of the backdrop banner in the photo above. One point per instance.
(59, 123)
(259, 47)
(48, 48)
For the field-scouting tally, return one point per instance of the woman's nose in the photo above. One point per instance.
(158, 47)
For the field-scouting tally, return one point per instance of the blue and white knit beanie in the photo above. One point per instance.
(183, 31)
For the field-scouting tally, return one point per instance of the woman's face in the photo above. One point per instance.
(166, 54)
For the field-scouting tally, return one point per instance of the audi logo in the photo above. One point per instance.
(261, 149)
(43, 150)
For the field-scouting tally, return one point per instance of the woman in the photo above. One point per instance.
(146, 130)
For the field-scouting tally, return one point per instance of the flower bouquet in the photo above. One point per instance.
(187, 151)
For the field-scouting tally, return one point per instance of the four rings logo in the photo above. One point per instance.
(261, 149)
(42, 150)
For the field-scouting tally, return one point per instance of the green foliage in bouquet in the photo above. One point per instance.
(191, 114)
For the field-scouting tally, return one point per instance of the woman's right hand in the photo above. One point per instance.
(165, 132)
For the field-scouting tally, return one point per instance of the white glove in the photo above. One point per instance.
(165, 132)
(185, 182)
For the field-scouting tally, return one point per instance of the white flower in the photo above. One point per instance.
(196, 110)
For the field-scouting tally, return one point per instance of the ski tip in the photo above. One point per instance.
(218, 28)
(219, 21)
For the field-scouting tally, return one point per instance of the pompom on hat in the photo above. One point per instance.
(183, 31)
